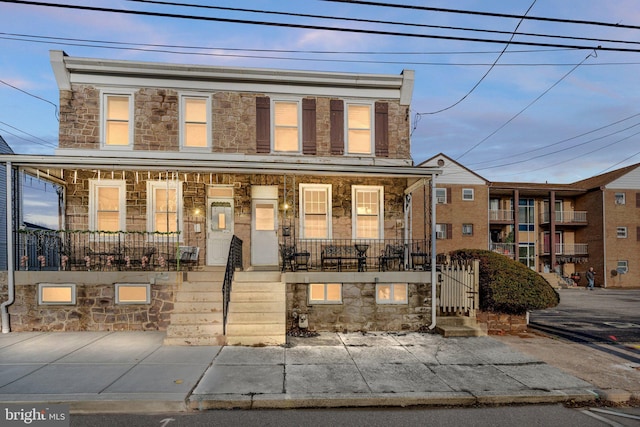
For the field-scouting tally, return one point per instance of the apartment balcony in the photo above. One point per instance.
(568, 218)
(506, 249)
(500, 216)
(569, 249)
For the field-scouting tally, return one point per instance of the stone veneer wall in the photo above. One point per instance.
(156, 122)
(359, 310)
(95, 309)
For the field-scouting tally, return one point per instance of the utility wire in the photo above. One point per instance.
(563, 141)
(375, 21)
(35, 96)
(119, 46)
(497, 15)
(513, 34)
(316, 27)
(44, 142)
(525, 108)
(616, 164)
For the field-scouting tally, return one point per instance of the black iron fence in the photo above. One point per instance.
(101, 251)
(354, 254)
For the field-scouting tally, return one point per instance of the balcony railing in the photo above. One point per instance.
(500, 215)
(566, 217)
(100, 251)
(507, 249)
(567, 249)
(354, 255)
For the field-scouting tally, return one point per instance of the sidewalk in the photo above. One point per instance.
(134, 372)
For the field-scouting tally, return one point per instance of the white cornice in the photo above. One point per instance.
(206, 77)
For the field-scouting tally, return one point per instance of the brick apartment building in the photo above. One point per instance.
(594, 223)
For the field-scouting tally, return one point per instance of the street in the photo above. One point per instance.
(507, 416)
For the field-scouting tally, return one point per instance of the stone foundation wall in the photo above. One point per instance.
(359, 310)
(95, 309)
(503, 324)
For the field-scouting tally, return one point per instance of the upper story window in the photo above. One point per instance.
(195, 122)
(315, 211)
(359, 130)
(467, 194)
(621, 232)
(286, 126)
(467, 229)
(526, 215)
(163, 206)
(117, 120)
(441, 195)
(367, 212)
(107, 201)
(620, 199)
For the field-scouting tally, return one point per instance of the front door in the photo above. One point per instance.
(264, 225)
(219, 223)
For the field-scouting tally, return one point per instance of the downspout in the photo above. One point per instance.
(433, 252)
(4, 308)
(604, 238)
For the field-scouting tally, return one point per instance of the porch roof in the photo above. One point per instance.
(51, 165)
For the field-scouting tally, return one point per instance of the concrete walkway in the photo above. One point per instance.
(134, 372)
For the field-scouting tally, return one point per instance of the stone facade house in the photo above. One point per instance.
(178, 177)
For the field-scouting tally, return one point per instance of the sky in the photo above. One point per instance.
(540, 114)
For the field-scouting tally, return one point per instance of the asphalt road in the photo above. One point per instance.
(598, 316)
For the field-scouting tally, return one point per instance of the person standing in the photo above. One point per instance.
(591, 278)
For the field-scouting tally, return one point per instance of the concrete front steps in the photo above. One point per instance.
(197, 317)
(257, 309)
(555, 280)
(459, 326)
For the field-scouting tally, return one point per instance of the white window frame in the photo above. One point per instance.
(325, 300)
(470, 227)
(393, 291)
(151, 203)
(623, 267)
(274, 103)
(620, 198)
(120, 286)
(355, 189)
(70, 286)
(441, 231)
(470, 192)
(302, 189)
(442, 197)
(182, 114)
(104, 95)
(621, 232)
(347, 149)
(94, 185)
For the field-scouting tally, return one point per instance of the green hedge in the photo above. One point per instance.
(508, 286)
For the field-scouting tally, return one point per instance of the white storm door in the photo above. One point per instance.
(264, 232)
(220, 224)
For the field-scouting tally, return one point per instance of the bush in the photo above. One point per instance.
(508, 286)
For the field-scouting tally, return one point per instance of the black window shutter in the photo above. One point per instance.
(382, 129)
(449, 231)
(449, 195)
(263, 124)
(309, 126)
(337, 126)
(637, 200)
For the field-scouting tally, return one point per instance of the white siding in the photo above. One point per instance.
(630, 181)
(453, 173)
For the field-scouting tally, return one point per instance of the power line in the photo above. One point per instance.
(316, 27)
(566, 140)
(27, 133)
(485, 74)
(35, 96)
(525, 108)
(376, 21)
(492, 14)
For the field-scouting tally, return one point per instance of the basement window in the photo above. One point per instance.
(56, 294)
(391, 293)
(325, 293)
(133, 293)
